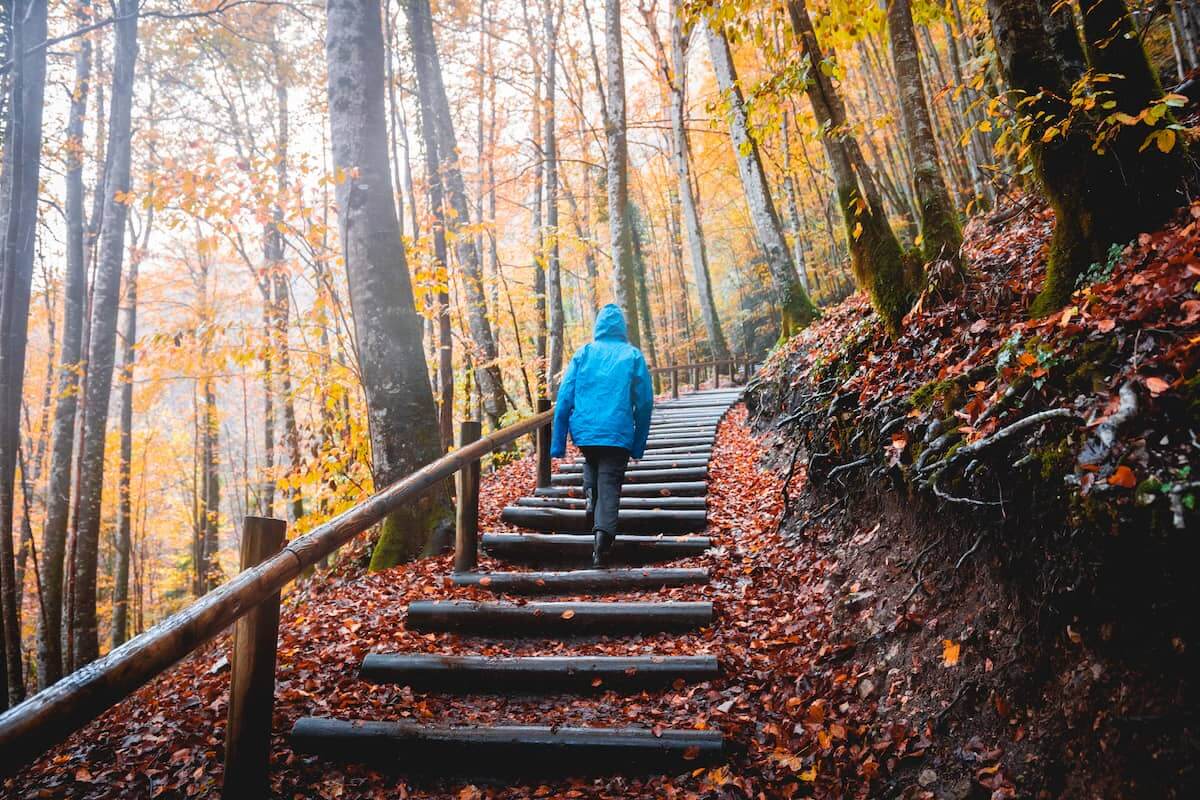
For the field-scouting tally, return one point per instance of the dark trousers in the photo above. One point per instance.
(603, 474)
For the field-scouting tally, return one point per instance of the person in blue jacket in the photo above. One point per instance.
(605, 401)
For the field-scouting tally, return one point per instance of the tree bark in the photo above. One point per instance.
(429, 75)
(435, 196)
(1099, 198)
(875, 255)
(796, 308)
(940, 230)
(62, 447)
(623, 279)
(682, 156)
(282, 287)
(124, 499)
(400, 409)
(554, 325)
(22, 163)
(642, 284)
(101, 352)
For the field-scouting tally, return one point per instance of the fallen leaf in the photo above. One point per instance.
(950, 649)
(1157, 386)
(1123, 476)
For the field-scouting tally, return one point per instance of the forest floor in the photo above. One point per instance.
(923, 588)
(775, 699)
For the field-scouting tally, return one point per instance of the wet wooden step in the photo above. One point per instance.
(567, 618)
(638, 476)
(672, 521)
(641, 503)
(664, 489)
(566, 548)
(695, 449)
(656, 463)
(686, 442)
(475, 751)
(491, 675)
(579, 581)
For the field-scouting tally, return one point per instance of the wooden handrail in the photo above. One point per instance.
(50, 716)
(742, 360)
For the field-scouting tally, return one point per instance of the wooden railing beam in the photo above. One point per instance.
(466, 527)
(252, 682)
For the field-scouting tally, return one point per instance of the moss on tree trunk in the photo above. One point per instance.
(1100, 195)
(406, 534)
(877, 259)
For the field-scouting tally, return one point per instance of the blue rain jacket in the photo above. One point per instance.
(606, 396)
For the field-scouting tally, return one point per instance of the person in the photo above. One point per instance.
(604, 401)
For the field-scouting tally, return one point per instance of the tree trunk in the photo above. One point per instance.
(789, 190)
(429, 76)
(554, 354)
(641, 283)
(940, 230)
(1098, 198)
(435, 197)
(624, 281)
(875, 254)
(124, 500)
(101, 352)
(62, 447)
(22, 157)
(797, 309)
(282, 287)
(400, 409)
(211, 498)
(682, 156)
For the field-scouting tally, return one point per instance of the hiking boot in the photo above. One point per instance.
(601, 548)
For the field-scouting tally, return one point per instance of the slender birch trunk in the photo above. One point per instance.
(796, 308)
(101, 352)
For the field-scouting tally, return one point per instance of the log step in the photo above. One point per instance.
(476, 750)
(638, 476)
(686, 450)
(642, 503)
(628, 520)
(558, 548)
(688, 442)
(489, 675)
(580, 580)
(556, 618)
(666, 489)
(678, 463)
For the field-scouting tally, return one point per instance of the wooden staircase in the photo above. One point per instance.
(663, 507)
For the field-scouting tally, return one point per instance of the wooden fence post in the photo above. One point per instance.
(252, 674)
(542, 438)
(716, 374)
(466, 518)
(675, 382)
(695, 378)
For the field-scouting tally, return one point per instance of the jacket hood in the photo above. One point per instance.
(610, 323)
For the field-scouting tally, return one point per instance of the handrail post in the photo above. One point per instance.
(695, 378)
(675, 382)
(716, 374)
(466, 518)
(252, 681)
(542, 438)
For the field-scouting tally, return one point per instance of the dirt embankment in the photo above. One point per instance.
(1011, 509)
